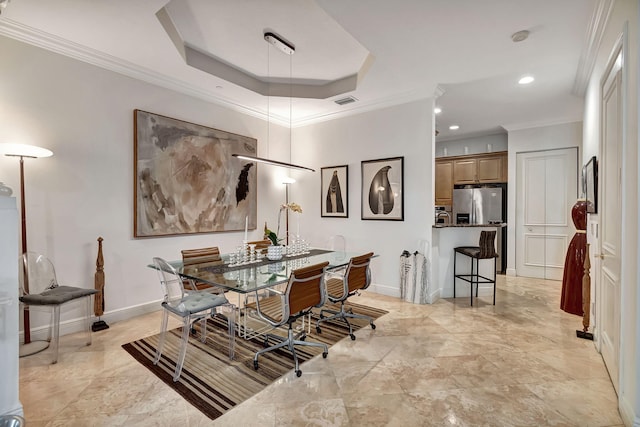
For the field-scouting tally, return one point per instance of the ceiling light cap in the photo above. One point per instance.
(280, 43)
(520, 36)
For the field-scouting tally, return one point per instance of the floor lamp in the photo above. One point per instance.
(31, 152)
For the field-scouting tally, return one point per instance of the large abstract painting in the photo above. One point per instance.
(382, 189)
(186, 180)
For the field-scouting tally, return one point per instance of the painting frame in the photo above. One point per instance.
(334, 191)
(590, 184)
(186, 180)
(378, 176)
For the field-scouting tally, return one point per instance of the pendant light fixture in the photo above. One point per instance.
(288, 49)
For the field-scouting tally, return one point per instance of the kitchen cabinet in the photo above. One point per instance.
(480, 169)
(444, 182)
(471, 169)
(465, 171)
(492, 168)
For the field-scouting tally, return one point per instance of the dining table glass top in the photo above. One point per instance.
(264, 274)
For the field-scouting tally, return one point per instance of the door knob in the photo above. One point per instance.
(601, 256)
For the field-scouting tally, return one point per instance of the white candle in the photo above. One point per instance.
(246, 226)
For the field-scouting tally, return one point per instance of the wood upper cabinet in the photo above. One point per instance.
(465, 171)
(471, 169)
(492, 168)
(444, 182)
(478, 169)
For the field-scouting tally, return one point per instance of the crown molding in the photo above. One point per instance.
(50, 42)
(364, 107)
(540, 124)
(593, 38)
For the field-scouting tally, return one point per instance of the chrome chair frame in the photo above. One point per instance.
(352, 283)
(295, 302)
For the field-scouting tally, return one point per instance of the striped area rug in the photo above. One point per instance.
(213, 383)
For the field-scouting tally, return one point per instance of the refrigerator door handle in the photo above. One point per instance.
(473, 211)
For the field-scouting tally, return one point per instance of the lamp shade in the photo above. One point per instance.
(24, 150)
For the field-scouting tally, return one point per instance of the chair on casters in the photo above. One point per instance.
(188, 307)
(485, 250)
(340, 287)
(304, 291)
(40, 287)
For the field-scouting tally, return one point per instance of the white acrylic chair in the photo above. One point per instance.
(189, 307)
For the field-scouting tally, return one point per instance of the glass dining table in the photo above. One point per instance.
(249, 279)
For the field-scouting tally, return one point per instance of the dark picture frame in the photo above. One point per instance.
(186, 180)
(383, 189)
(334, 191)
(590, 184)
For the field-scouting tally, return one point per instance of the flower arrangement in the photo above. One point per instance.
(268, 234)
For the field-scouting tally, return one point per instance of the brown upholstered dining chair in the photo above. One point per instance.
(340, 287)
(193, 259)
(486, 249)
(261, 244)
(305, 290)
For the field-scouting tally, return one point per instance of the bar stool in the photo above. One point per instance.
(485, 250)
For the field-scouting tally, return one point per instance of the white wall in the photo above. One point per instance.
(533, 139)
(84, 114)
(474, 145)
(625, 14)
(404, 130)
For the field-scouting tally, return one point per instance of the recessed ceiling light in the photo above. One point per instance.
(520, 36)
(526, 80)
(454, 127)
(437, 110)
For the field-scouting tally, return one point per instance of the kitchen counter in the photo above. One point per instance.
(502, 225)
(445, 238)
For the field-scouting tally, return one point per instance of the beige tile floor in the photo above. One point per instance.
(514, 364)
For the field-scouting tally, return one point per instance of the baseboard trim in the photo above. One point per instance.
(511, 272)
(626, 412)
(18, 410)
(384, 290)
(434, 296)
(77, 325)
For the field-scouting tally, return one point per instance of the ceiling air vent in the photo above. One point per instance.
(345, 101)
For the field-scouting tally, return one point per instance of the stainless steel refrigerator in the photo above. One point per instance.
(478, 204)
(483, 204)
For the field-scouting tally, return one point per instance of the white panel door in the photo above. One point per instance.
(547, 189)
(610, 207)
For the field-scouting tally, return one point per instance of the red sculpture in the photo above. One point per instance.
(571, 298)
